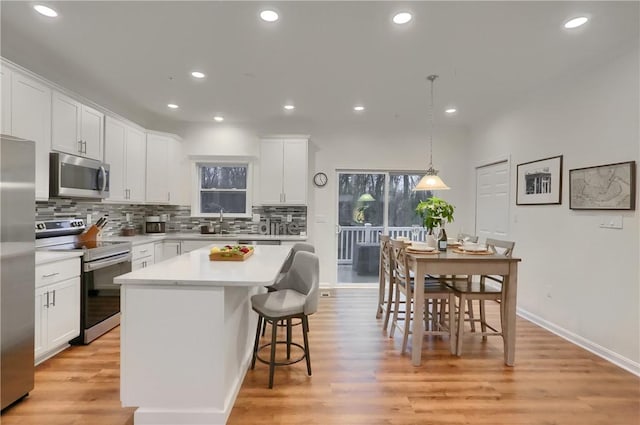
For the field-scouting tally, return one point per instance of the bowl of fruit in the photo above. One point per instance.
(230, 253)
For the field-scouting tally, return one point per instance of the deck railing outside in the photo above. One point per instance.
(350, 235)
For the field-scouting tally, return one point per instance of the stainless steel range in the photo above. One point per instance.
(101, 262)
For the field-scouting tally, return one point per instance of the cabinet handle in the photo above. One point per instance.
(80, 146)
(50, 274)
(128, 193)
(84, 142)
(178, 249)
(53, 303)
(169, 196)
(284, 197)
(47, 304)
(144, 250)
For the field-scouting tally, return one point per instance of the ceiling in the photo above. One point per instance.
(324, 57)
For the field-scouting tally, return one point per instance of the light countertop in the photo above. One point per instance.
(195, 268)
(191, 236)
(44, 257)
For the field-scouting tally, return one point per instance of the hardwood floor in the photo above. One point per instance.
(359, 378)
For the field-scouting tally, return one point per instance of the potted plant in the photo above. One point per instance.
(434, 213)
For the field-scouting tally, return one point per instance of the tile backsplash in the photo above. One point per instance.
(180, 219)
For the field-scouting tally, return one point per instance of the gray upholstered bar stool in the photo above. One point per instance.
(297, 247)
(297, 297)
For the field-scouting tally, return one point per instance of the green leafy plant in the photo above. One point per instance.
(434, 211)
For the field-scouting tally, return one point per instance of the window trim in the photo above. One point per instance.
(215, 162)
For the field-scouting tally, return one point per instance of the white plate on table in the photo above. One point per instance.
(421, 249)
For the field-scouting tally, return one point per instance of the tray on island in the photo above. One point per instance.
(232, 254)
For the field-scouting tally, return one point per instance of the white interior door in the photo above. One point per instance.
(492, 201)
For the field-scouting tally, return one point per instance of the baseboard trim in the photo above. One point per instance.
(600, 351)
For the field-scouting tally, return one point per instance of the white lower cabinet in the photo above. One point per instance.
(171, 249)
(57, 309)
(143, 256)
(188, 246)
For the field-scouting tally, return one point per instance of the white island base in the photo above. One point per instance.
(186, 344)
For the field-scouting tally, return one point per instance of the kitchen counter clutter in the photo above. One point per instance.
(187, 332)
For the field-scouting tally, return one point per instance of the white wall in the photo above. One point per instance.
(353, 148)
(578, 279)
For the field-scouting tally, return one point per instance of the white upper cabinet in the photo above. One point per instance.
(92, 132)
(5, 103)
(114, 155)
(76, 128)
(136, 163)
(283, 172)
(157, 168)
(125, 153)
(165, 170)
(31, 119)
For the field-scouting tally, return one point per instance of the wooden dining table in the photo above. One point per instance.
(453, 263)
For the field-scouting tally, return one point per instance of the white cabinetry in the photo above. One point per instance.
(143, 256)
(30, 118)
(77, 129)
(171, 249)
(125, 152)
(188, 246)
(57, 307)
(283, 171)
(164, 169)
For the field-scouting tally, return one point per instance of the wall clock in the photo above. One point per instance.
(320, 179)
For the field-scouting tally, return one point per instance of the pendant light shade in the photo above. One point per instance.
(431, 180)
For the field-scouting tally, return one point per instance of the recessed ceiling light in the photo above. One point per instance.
(46, 11)
(402, 18)
(575, 22)
(358, 108)
(172, 106)
(289, 107)
(451, 110)
(218, 118)
(197, 74)
(269, 15)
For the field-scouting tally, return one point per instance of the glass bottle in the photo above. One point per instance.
(442, 240)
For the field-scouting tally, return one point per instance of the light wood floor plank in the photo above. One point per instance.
(360, 378)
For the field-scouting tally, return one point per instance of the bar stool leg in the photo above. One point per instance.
(305, 327)
(272, 365)
(288, 339)
(255, 344)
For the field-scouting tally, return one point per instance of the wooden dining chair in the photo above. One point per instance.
(469, 290)
(438, 297)
(386, 287)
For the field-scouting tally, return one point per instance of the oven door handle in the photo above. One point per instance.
(96, 265)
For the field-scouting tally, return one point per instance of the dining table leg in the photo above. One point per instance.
(509, 325)
(419, 270)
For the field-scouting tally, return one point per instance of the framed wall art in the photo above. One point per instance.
(603, 187)
(540, 182)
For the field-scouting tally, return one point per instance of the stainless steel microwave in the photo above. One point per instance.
(77, 177)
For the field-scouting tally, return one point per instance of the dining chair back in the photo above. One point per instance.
(437, 298)
(386, 281)
(470, 290)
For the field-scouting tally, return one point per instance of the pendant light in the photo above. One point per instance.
(431, 181)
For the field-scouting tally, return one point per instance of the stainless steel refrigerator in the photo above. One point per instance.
(17, 267)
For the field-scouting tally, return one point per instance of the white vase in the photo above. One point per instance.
(431, 240)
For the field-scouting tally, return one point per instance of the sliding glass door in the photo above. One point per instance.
(371, 203)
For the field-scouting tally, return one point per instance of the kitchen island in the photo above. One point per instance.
(187, 332)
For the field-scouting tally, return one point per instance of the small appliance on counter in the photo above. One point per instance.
(156, 224)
